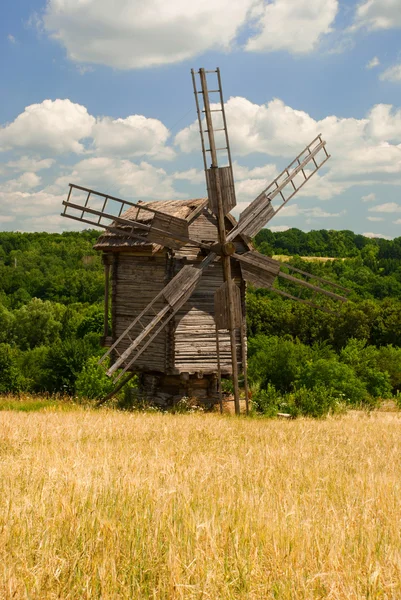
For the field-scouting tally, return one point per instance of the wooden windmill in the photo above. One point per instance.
(178, 268)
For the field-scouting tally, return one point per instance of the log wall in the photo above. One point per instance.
(136, 281)
(194, 335)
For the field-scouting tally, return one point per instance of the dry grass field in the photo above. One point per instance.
(115, 505)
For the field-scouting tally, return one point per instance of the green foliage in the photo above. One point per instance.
(338, 379)
(10, 376)
(92, 382)
(64, 362)
(275, 360)
(38, 323)
(301, 361)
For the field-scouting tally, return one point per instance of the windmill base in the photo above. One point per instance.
(166, 391)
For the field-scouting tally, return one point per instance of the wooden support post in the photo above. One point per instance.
(244, 363)
(219, 371)
(222, 236)
(106, 263)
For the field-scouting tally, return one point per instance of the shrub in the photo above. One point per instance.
(92, 382)
(337, 377)
(10, 376)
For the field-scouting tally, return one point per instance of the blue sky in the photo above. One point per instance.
(100, 94)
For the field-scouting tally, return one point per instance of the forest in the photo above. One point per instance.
(301, 360)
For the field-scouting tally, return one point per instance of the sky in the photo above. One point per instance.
(99, 94)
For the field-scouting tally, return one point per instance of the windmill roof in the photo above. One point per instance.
(176, 208)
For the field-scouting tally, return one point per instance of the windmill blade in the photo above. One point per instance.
(221, 194)
(219, 179)
(262, 271)
(285, 186)
(101, 210)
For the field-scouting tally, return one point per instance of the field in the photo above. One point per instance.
(122, 505)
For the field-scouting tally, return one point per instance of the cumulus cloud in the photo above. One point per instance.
(130, 34)
(293, 26)
(387, 207)
(279, 227)
(378, 14)
(27, 181)
(316, 212)
(375, 62)
(120, 177)
(57, 125)
(127, 34)
(369, 198)
(392, 74)
(134, 136)
(375, 219)
(358, 147)
(26, 163)
(61, 126)
(369, 234)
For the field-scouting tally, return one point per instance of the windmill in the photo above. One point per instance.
(231, 251)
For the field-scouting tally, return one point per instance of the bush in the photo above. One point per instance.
(338, 378)
(317, 402)
(10, 377)
(92, 382)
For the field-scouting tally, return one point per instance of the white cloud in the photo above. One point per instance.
(375, 62)
(26, 163)
(293, 26)
(120, 177)
(358, 147)
(369, 198)
(61, 126)
(392, 74)
(57, 125)
(378, 14)
(376, 235)
(387, 207)
(398, 222)
(27, 181)
(279, 228)
(130, 34)
(11, 39)
(191, 175)
(375, 219)
(294, 210)
(134, 136)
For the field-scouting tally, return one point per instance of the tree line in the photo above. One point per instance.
(300, 359)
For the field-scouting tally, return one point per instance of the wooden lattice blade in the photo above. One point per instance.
(284, 187)
(132, 220)
(262, 271)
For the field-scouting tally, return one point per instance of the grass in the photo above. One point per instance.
(101, 504)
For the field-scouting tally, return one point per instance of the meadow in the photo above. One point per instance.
(107, 504)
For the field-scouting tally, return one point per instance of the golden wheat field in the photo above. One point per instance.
(101, 504)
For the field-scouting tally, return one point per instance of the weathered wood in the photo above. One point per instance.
(227, 301)
(182, 285)
(176, 231)
(219, 371)
(258, 269)
(226, 188)
(260, 211)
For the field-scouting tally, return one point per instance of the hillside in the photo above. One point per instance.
(51, 317)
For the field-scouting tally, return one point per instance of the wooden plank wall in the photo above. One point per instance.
(195, 340)
(136, 281)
